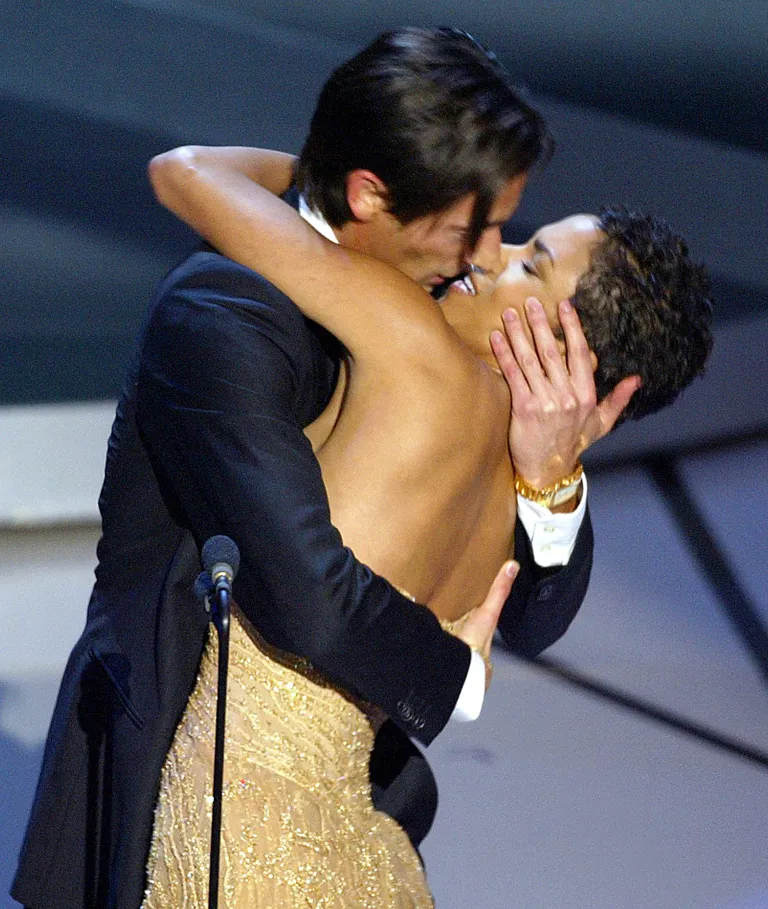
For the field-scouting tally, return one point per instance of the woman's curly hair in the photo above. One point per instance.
(645, 309)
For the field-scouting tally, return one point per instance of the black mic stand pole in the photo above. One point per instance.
(220, 618)
(221, 559)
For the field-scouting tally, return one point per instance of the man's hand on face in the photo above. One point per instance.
(555, 413)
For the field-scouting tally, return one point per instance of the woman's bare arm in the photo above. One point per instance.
(274, 170)
(369, 305)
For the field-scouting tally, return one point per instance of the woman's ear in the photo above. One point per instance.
(367, 195)
(593, 360)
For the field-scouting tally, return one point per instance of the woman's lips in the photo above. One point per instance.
(464, 286)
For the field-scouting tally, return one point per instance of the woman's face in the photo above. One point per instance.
(547, 267)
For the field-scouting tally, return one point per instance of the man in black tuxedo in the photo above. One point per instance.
(208, 439)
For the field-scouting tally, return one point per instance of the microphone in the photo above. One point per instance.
(221, 559)
(204, 589)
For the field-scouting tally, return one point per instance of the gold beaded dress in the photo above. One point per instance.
(299, 828)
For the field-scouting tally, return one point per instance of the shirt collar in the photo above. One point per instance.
(313, 217)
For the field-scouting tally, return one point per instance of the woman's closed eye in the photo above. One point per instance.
(529, 268)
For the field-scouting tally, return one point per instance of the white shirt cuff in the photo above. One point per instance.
(470, 701)
(552, 536)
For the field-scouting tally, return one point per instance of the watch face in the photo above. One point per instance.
(566, 493)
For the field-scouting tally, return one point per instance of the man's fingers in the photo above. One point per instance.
(480, 626)
(577, 349)
(504, 356)
(612, 405)
(502, 350)
(497, 596)
(547, 347)
(524, 351)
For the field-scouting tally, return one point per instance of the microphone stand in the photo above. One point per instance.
(220, 612)
(221, 559)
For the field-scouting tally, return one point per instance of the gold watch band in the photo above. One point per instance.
(556, 494)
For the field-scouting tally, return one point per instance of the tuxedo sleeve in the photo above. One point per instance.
(227, 368)
(544, 601)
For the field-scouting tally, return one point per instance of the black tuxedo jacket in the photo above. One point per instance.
(208, 439)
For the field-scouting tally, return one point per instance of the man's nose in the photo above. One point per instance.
(487, 253)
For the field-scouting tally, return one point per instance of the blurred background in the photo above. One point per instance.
(628, 768)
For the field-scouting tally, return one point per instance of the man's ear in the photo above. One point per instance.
(367, 195)
(593, 360)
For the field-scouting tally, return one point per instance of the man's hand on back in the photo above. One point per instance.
(478, 629)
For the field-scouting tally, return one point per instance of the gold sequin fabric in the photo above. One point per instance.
(299, 828)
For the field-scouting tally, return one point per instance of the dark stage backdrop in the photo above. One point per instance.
(89, 91)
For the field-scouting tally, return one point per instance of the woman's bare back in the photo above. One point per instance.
(414, 449)
(418, 475)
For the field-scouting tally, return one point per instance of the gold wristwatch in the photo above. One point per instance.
(556, 494)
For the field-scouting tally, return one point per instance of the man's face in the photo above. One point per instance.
(434, 247)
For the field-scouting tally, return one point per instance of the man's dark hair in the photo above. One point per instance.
(645, 309)
(433, 114)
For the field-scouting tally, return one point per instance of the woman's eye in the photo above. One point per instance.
(528, 268)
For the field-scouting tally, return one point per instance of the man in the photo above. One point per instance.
(208, 439)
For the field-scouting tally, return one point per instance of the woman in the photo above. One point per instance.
(413, 450)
